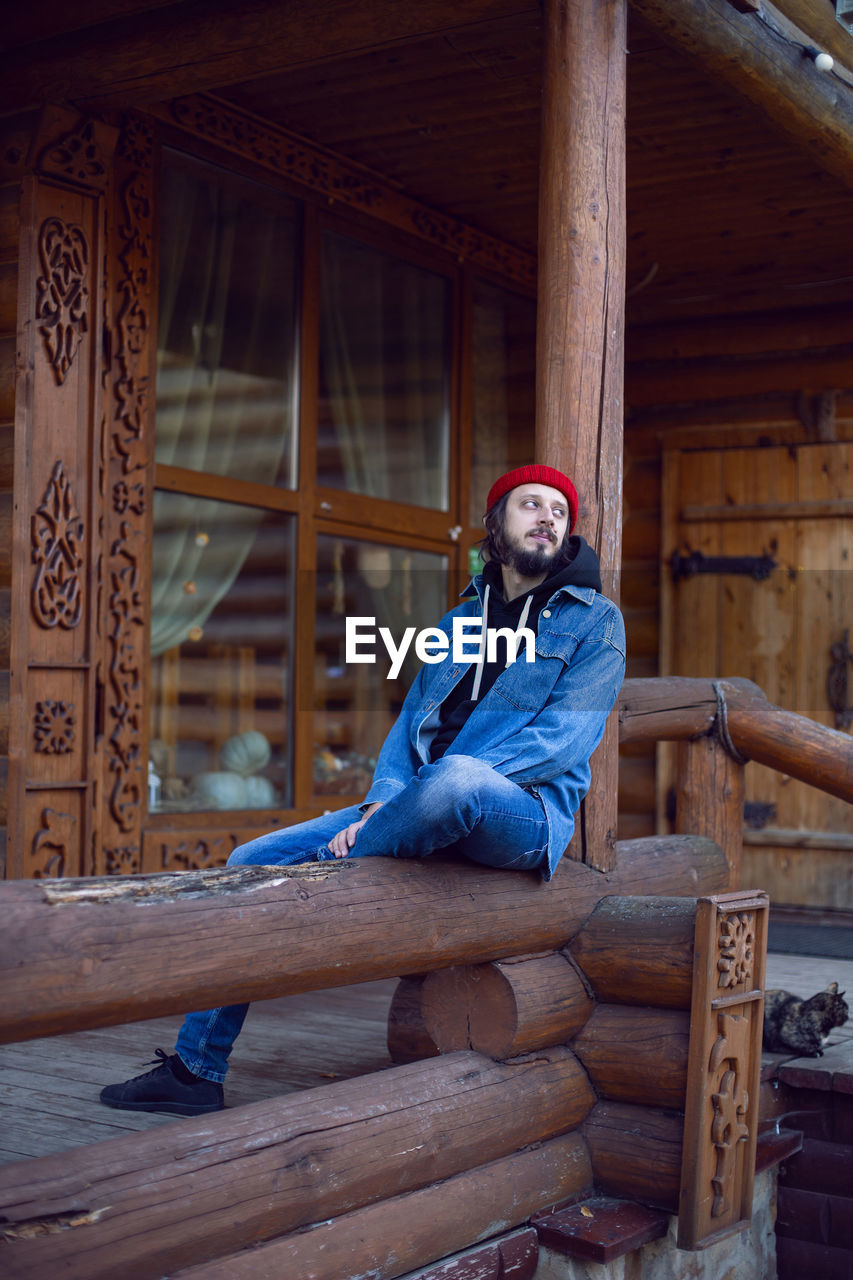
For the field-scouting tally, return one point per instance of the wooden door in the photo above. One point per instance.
(757, 561)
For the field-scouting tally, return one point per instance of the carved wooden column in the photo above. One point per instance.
(724, 1067)
(580, 318)
(55, 565)
(128, 427)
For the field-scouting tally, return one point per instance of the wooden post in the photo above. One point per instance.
(580, 317)
(710, 797)
(724, 1068)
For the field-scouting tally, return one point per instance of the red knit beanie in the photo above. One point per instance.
(536, 475)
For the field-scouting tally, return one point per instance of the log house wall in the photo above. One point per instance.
(752, 381)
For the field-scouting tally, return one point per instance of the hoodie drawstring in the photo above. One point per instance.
(481, 656)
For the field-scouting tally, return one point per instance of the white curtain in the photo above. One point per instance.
(211, 416)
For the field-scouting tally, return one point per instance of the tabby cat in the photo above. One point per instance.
(792, 1025)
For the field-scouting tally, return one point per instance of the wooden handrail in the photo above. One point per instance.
(677, 709)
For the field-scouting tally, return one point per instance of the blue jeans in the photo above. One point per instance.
(457, 804)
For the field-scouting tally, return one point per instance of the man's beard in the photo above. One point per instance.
(530, 562)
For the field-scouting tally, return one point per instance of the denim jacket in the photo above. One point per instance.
(539, 723)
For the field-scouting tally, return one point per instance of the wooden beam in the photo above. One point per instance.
(203, 44)
(753, 334)
(249, 933)
(581, 309)
(150, 1203)
(744, 51)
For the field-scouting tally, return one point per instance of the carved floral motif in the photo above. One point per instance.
(736, 944)
(196, 854)
(77, 156)
(62, 299)
(57, 535)
(54, 727)
(122, 861)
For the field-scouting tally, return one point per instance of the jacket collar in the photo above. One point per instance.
(586, 595)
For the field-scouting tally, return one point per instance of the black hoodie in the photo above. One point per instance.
(582, 570)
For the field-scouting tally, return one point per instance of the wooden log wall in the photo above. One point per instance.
(475, 1144)
(303, 1159)
(726, 381)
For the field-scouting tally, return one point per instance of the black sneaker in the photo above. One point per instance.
(169, 1087)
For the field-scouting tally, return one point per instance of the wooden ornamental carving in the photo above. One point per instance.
(57, 541)
(735, 946)
(127, 433)
(54, 727)
(53, 845)
(62, 299)
(77, 156)
(721, 1118)
(351, 184)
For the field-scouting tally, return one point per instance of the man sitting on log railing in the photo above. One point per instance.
(489, 757)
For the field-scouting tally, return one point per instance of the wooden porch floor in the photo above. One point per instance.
(49, 1088)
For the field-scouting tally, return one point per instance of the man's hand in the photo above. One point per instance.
(341, 844)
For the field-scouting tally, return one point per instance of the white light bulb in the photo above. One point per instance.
(824, 62)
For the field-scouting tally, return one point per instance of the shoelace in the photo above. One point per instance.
(160, 1058)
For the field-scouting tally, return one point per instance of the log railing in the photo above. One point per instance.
(531, 992)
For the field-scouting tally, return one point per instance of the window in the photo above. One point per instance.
(284, 508)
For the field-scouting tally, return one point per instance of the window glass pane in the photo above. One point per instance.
(221, 625)
(384, 376)
(225, 368)
(355, 704)
(504, 387)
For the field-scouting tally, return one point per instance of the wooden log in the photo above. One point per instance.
(405, 1232)
(95, 950)
(639, 951)
(581, 310)
(669, 866)
(505, 1008)
(408, 1038)
(636, 1054)
(772, 73)
(669, 709)
(150, 1203)
(635, 1152)
(678, 709)
(795, 745)
(710, 798)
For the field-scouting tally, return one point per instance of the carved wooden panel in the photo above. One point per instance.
(56, 524)
(189, 850)
(721, 1118)
(128, 450)
(294, 158)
